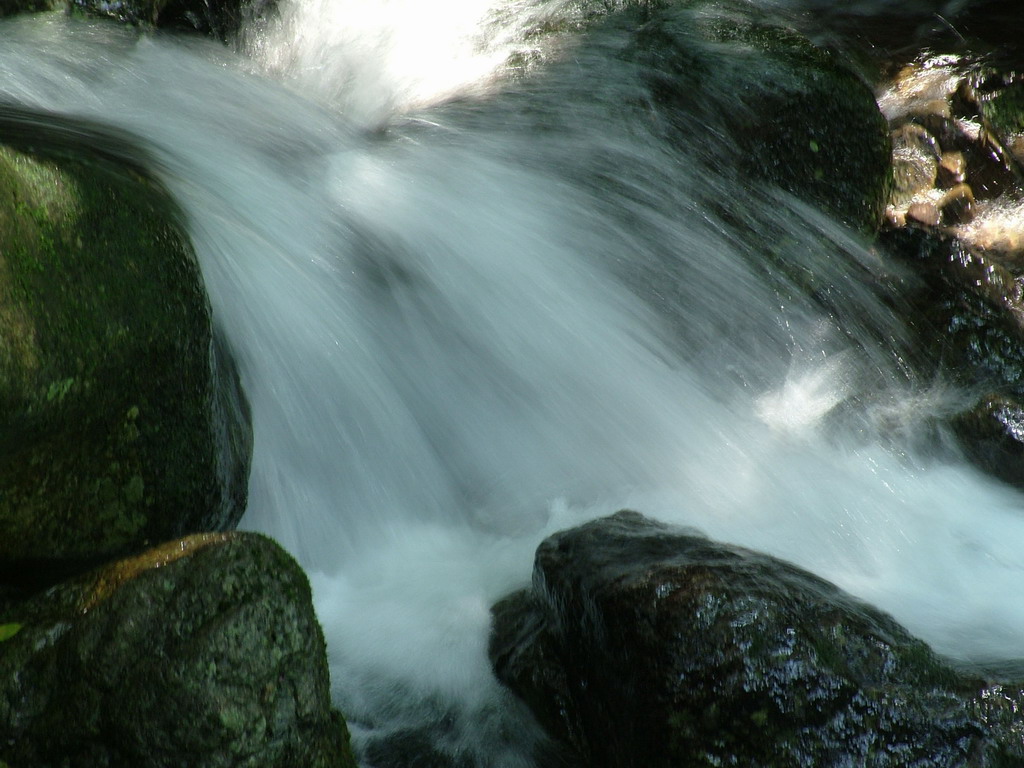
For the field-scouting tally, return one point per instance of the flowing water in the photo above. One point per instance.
(474, 303)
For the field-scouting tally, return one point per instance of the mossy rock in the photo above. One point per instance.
(645, 645)
(122, 421)
(202, 652)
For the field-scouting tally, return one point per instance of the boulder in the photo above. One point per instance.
(800, 120)
(644, 645)
(202, 652)
(122, 420)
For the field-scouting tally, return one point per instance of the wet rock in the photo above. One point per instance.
(220, 19)
(915, 163)
(804, 122)
(926, 213)
(965, 243)
(645, 645)
(1002, 107)
(12, 7)
(941, 142)
(203, 652)
(969, 312)
(122, 420)
(952, 168)
(411, 748)
(957, 205)
(992, 435)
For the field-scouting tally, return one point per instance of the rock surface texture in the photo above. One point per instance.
(644, 645)
(203, 652)
(122, 421)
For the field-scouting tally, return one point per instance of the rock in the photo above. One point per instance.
(801, 121)
(1002, 107)
(219, 19)
(924, 213)
(957, 205)
(952, 169)
(222, 20)
(645, 645)
(992, 435)
(203, 652)
(12, 7)
(122, 420)
(915, 162)
(967, 317)
(964, 244)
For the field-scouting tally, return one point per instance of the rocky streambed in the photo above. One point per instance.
(136, 628)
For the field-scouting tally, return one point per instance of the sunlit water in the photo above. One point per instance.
(465, 324)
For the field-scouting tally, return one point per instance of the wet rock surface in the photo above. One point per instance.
(219, 19)
(806, 123)
(644, 645)
(954, 219)
(202, 652)
(122, 420)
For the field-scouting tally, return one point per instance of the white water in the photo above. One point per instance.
(492, 319)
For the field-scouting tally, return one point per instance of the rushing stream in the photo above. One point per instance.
(471, 309)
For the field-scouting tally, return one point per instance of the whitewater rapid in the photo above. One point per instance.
(469, 310)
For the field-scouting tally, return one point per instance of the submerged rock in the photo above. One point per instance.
(645, 645)
(203, 652)
(122, 421)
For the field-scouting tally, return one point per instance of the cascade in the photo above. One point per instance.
(470, 310)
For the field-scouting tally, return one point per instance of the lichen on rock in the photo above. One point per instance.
(203, 652)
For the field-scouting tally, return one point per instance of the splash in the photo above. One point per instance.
(472, 328)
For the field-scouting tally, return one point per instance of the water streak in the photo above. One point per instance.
(492, 317)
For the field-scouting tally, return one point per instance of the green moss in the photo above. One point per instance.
(106, 432)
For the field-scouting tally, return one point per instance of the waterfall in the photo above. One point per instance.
(470, 309)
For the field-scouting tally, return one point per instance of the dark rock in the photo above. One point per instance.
(1001, 101)
(968, 319)
(219, 19)
(802, 120)
(12, 7)
(990, 25)
(992, 436)
(122, 420)
(644, 645)
(204, 652)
